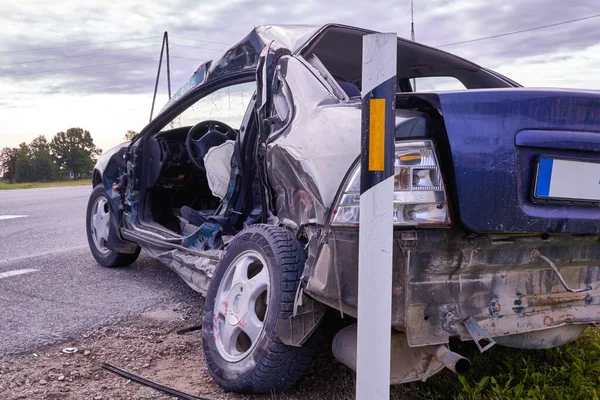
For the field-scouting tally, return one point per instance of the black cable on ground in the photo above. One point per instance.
(189, 329)
(152, 384)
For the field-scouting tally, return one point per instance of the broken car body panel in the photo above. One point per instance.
(488, 140)
(442, 277)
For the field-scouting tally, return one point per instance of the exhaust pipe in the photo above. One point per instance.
(408, 364)
(453, 361)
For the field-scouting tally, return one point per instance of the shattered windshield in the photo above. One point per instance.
(228, 105)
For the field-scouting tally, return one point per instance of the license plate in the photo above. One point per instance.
(567, 180)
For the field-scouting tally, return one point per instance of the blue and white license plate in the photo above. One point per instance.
(567, 180)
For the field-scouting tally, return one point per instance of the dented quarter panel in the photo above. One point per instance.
(307, 162)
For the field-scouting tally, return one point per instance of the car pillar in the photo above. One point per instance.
(376, 216)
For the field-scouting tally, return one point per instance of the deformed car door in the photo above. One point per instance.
(265, 76)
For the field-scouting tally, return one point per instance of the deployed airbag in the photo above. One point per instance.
(217, 162)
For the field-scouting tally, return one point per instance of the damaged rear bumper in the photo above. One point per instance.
(443, 277)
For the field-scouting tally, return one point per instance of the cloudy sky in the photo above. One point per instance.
(93, 63)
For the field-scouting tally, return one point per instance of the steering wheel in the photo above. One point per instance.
(204, 135)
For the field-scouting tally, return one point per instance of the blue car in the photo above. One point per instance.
(247, 185)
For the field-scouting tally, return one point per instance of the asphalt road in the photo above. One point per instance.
(50, 285)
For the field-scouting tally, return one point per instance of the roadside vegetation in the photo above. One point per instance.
(70, 155)
(567, 372)
(34, 185)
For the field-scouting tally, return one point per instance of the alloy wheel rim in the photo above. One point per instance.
(241, 305)
(100, 224)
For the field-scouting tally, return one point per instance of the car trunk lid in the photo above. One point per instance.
(525, 160)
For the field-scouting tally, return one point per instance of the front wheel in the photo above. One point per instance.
(253, 286)
(98, 226)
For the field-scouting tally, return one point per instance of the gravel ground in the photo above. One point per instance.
(148, 346)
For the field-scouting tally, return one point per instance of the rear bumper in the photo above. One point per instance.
(444, 276)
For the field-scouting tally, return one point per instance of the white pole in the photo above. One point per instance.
(376, 223)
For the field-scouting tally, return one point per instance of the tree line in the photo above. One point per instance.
(70, 154)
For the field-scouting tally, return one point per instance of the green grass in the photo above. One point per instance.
(33, 185)
(567, 372)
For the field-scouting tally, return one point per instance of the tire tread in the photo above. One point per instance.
(282, 365)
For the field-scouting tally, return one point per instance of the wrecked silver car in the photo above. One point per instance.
(247, 186)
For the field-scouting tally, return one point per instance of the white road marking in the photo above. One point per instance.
(48, 253)
(12, 216)
(8, 274)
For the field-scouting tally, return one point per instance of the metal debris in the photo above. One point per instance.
(70, 350)
(478, 334)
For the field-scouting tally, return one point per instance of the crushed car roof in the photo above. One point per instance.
(244, 55)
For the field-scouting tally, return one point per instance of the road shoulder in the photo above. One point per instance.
(149, 346)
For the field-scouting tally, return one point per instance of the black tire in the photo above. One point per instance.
(105, 257)
(271, 366)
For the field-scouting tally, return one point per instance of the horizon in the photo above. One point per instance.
(57, 72)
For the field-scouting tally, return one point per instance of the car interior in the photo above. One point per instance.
(180, 190)
(340, 51)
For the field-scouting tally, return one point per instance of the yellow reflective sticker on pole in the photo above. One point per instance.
(376, 134)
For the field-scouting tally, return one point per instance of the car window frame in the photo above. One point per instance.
(416, 78)
(194, 95)
(166, 127)
(288, 97)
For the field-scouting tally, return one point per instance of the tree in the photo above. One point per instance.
(8, 162)
(23, 167)
(41, 159)
(74, 151)
(130, 134)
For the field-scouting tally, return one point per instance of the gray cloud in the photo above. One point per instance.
(496, 17)
(437, 22)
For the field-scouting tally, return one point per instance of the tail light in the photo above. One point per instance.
(419, 193)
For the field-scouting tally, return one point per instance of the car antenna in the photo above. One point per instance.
(412, 35)
(165, 45)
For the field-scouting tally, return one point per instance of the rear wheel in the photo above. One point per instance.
(98, 228)
(253, 286)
